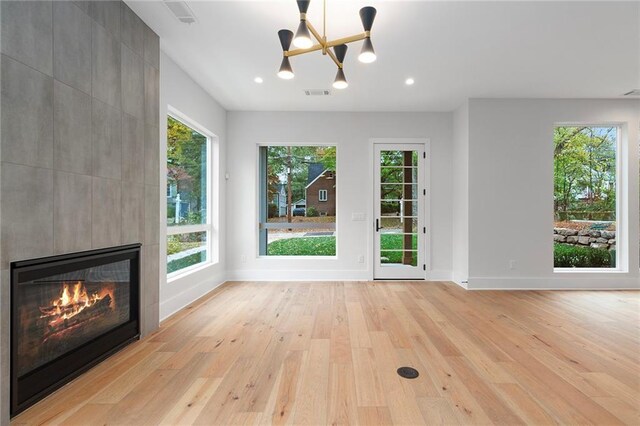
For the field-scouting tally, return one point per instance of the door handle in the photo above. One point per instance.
(378, 227)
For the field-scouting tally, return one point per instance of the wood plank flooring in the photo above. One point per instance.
(327, 353)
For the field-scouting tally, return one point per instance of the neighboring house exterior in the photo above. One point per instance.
(280, 200)
(300, 204)
(320, 191)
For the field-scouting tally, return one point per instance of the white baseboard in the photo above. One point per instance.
(189, 295)
(554, 283)
(297, 275)
(316, 275)
(439, 275)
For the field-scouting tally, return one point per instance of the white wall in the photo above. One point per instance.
(460, 169)
(511, 190)
(351, 132)
(180, 92)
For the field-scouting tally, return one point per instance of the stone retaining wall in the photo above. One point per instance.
(605, 240)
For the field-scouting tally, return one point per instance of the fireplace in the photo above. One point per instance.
(68, 313)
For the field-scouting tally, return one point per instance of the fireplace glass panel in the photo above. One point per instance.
(59, 313)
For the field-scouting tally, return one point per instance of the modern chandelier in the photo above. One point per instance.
(305, 44)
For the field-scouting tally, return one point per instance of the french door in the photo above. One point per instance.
(399, 211)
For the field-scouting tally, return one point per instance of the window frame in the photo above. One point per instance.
(258, 198)
(326, 195)
(621, 185)
(208, 226)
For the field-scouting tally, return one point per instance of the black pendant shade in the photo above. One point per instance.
(340, 51)
(303, 5)
(367, 15)
(341, 81)
(367, 54)
(303, 31)
(285, 39)
(285, 71)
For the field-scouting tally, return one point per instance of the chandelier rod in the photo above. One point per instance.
(324, 20)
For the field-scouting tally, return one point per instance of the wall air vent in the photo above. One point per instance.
(181, 11)
(635, 92)
(317, 92)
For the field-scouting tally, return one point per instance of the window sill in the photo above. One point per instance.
(589, 271)
(177, 275)
(298, 257)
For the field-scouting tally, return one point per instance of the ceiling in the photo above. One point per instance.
(453, 50)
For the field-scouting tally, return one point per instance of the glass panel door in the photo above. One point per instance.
(399, 204)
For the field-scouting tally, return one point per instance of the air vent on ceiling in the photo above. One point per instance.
(181, 10)
(635, 92)
(317, 92)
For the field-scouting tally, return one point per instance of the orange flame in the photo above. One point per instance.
(68, 305)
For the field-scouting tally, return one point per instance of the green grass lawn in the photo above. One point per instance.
(394, 242)
(309, 246)
(326, 246)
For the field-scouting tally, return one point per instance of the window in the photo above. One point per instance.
(188, 206)
(586, 192)
(297, 210)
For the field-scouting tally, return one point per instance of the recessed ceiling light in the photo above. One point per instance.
(258, 80)
(409, 81)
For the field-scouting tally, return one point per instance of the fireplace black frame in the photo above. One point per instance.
(42, 381)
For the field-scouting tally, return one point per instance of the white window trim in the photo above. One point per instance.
(326, 195)
(622, 253)
(207, 227)
(258, 199)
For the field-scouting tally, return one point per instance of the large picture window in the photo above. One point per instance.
(188, 207)
(297, 214)
(586, 192)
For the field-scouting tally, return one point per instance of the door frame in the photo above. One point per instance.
(426, 181)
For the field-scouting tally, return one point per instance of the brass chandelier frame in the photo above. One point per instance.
(339, 45)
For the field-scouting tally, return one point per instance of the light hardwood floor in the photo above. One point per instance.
(327, 353)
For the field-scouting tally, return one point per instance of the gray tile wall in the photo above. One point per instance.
(79, 130)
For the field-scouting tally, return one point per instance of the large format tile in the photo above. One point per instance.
(151, 47)
(106, 140)
(132, 213)
(27, 213)
(71, 46)
(106, 217)
(132, 83)
(150, 319)
(27, 33)
(83, 5)
(151, 95)
(72, 130)
(132, 149)
(105, 67)
(132, 31)
(71, 212)
(151, 214)
(5, 318)
(151, 155)
(150, 277)
(27, 115)
(107, 14)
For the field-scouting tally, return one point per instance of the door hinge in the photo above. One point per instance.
(424, 267)
(424, 230)
(424, 155)
(424, 192)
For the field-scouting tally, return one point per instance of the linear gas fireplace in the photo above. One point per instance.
(68, 313)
